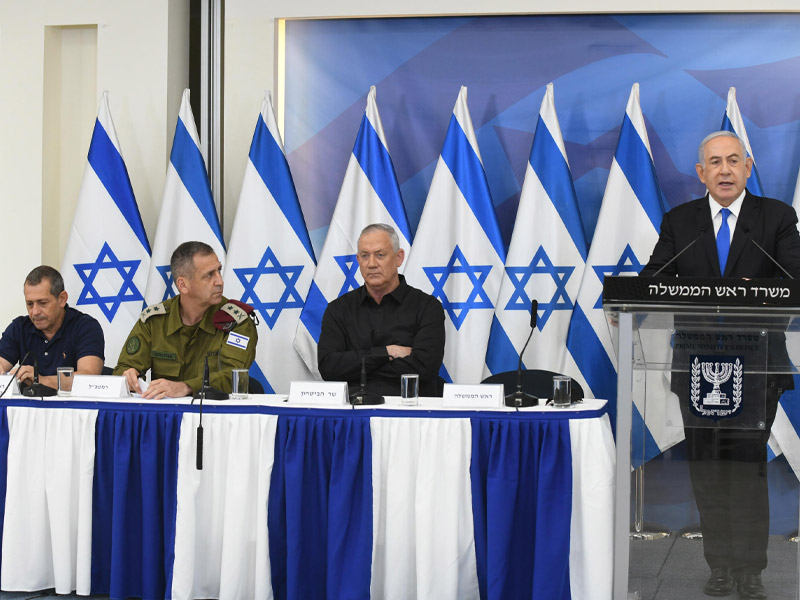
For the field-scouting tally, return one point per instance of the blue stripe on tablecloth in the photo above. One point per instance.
(521, 475)
(134, 502)
(3, 465)
(322, 467)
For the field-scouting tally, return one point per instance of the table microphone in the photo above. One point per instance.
(24, 358)
(36, 389)
(202, 394)
(519, 398)
(208, 391)
(361, 397)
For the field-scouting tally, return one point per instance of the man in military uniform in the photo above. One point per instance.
(175, 337)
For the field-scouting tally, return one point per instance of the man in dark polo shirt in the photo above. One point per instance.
(395, 328)
(55, 334)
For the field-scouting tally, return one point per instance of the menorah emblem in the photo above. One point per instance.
(716, 374)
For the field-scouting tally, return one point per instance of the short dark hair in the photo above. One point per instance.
(181, 263)
(43, 272)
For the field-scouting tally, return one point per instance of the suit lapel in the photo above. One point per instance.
(749, 213)
(709, 240)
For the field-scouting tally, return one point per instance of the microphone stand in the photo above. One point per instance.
(10, 383)
(36, 389)
(207, 391)
(361, 397)
(519, 398)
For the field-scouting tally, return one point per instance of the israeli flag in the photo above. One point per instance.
(458, 256)
(626, 232)
(545, 259)
(188, 212)
(782, 429)
(732, 121)
(270, 260)
(369, 194)
(108, 255)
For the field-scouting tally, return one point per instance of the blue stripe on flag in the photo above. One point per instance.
(592, 360)
(500, 354)
(315, 306)
(599, 372)
(444, 374)
(188, 162)
(637, 166)
(258, 374)
(468, 173)
(110, 169)
(270, 163)
(754, 181)
(552, 170)
(376, 163)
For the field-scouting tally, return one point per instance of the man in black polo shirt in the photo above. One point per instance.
(395, 328)
(56, 335)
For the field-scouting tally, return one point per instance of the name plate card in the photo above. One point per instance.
(325, 393)
(5, 380)
(100, 386)
(486, 395)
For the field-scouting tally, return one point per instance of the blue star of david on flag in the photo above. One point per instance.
(520, 276)
(477, 274)
(349, 266)
(627, 263)
(269, 265)
(166, 275)
(128, 292)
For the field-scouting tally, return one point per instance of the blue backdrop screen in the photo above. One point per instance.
(684, 64)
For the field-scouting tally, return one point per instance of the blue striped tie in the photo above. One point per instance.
(723, 241)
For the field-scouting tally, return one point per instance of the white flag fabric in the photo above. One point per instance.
(458, 254)
(188, 212)
(796, 199)
(783, 431)
(626, 232)
(369, 194)
(732, 121)
(545, 259)
(108, 255)
(270, 259)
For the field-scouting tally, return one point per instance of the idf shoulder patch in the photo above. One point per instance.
(155, 309)
(133, 344)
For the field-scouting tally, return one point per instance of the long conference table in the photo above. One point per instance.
(104, 497)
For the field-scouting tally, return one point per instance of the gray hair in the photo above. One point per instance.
(42, 272)
(387, 229)
(181, 263)
(716, 134)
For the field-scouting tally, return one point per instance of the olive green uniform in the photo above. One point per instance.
(160, 341)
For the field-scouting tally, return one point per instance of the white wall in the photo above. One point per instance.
(141, 55)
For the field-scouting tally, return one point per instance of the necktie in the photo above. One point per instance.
(723, 241)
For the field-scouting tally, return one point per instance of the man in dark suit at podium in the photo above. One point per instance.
(719, 233)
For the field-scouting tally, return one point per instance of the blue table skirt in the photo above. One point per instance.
(320, 499)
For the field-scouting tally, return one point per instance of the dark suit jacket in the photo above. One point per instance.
(771, 223)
